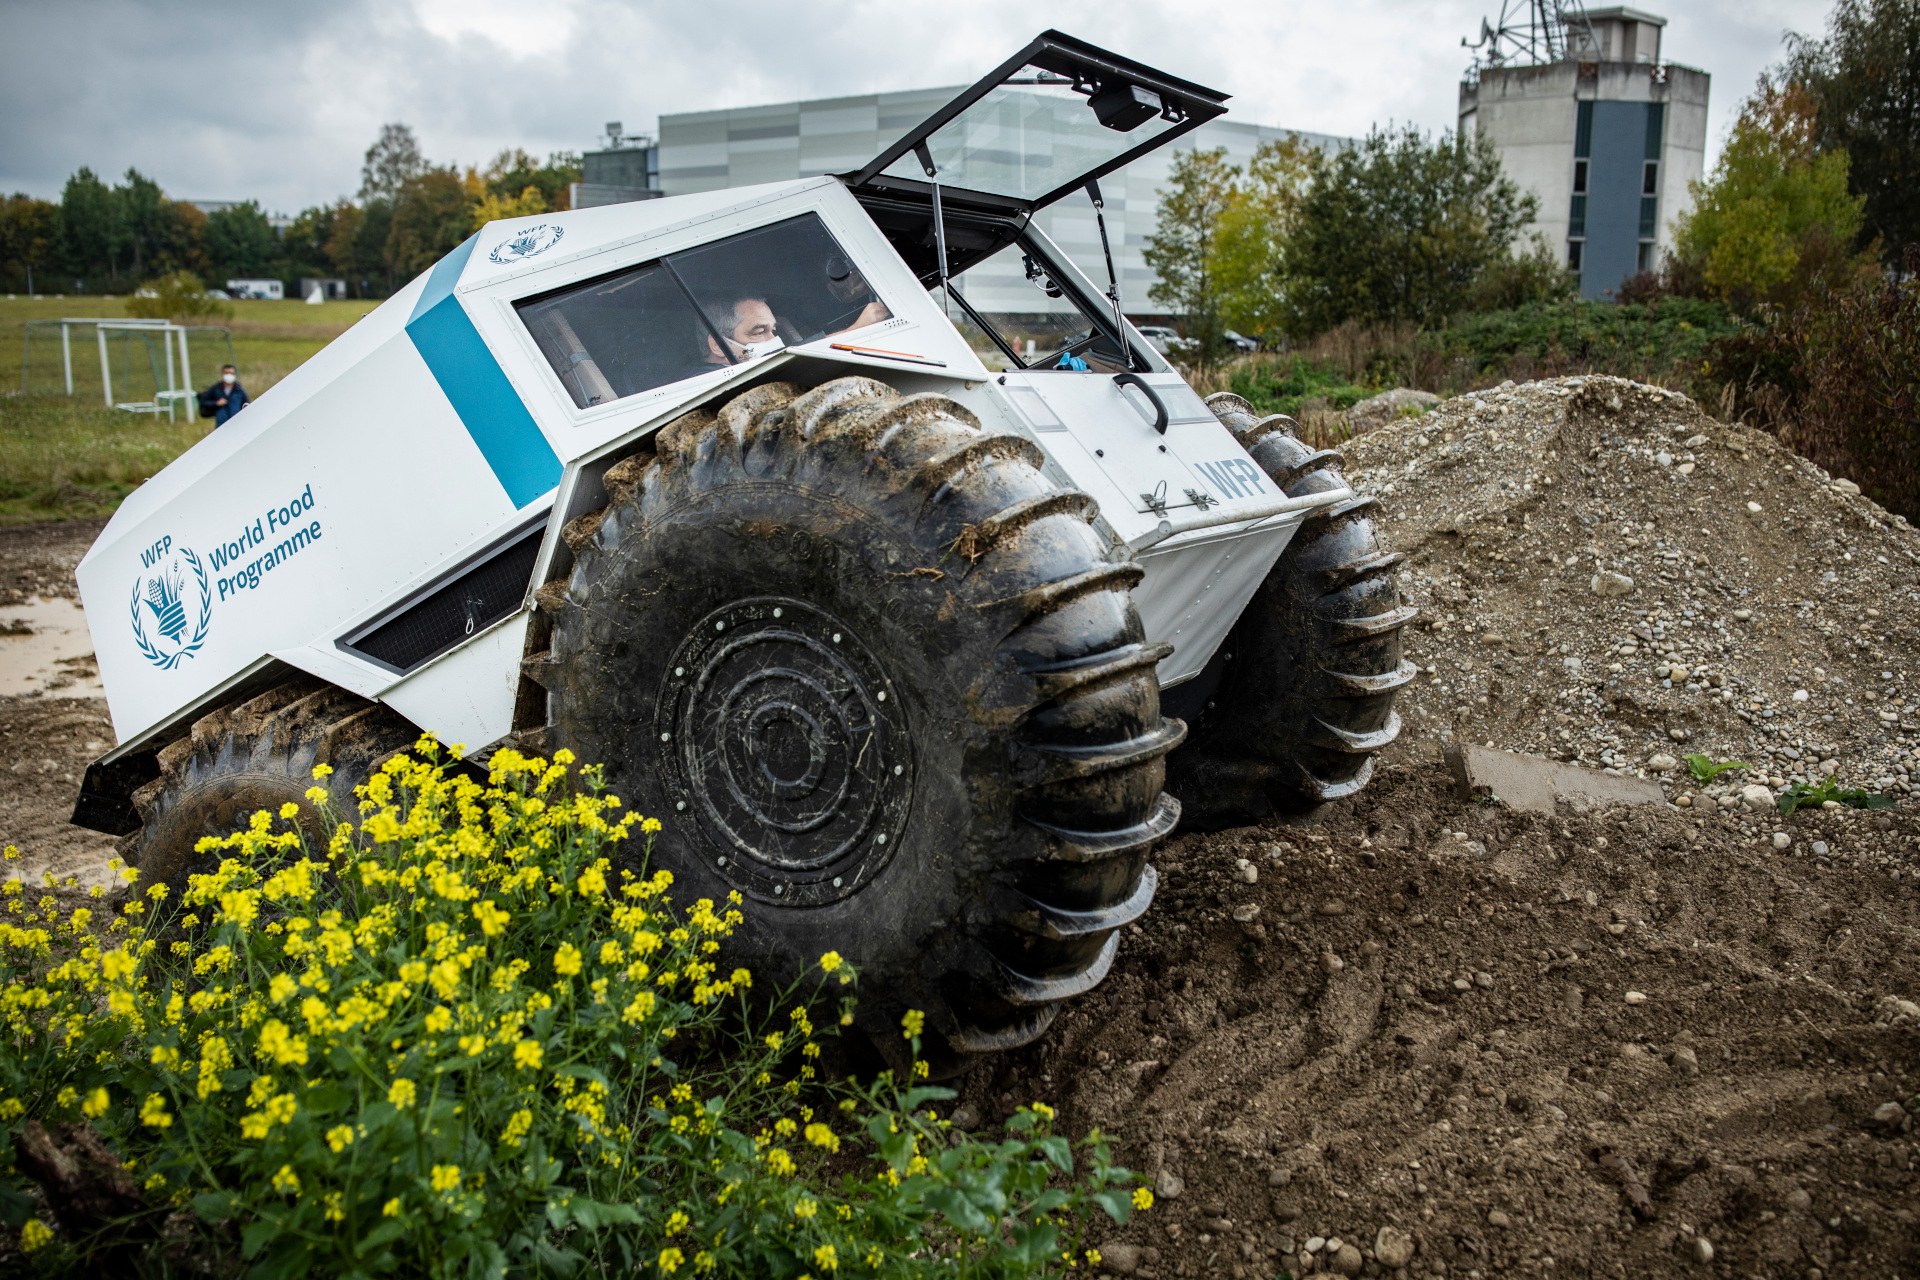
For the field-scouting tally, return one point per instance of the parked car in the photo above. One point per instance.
(1240, 342)
(1163, 339)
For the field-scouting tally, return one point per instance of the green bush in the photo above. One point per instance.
(1859, 412)
(465, 1040)
(1656, 341)
(179, 296)
(1284, 384)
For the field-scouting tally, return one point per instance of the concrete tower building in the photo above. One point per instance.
(1588, 118)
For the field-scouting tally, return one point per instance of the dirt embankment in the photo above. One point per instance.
(1421, 1037)
(1458, 1040)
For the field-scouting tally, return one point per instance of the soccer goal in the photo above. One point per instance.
(138, 366)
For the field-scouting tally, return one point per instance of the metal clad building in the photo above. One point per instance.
(707, 150)
(1605, 134)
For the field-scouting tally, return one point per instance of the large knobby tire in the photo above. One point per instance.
(878, 674)
(253, 755)
(1292, 710)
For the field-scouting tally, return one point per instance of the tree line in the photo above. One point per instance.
(407, 214)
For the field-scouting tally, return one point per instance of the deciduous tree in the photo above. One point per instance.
(1773, 200)
(1260, 214)
(1864, 82)
(29, 241)
(391, 163)
(433, 214)
(240, 242)
(1182, 248)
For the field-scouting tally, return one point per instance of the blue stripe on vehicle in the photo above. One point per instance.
(492, 412)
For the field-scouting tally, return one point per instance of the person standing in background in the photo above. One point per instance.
(224, 398)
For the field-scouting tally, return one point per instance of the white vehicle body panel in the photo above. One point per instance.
(435, 427)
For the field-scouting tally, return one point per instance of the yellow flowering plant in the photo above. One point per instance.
(475, 1035)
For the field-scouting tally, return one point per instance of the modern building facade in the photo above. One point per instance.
(1604, 133)
(708, 150)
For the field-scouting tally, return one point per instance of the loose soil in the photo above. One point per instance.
(1485, 1029)
(50, 728)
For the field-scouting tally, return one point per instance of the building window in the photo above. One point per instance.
(1579, 177)
(1583, 129)
(1650, 178)
(1574, 248)
(1646, 255)
(1577, 217)
(1649, 216)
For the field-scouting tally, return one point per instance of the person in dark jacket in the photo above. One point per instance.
(224, 398)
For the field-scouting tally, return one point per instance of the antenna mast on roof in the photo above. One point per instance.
(1535, 33)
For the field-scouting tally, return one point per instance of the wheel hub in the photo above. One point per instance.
(785, 743)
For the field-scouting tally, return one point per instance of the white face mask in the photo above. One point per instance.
(228, 378)
(753, 350)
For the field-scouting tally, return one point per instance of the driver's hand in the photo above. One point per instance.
(873, 313)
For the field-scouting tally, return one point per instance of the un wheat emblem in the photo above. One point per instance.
(526, 242)
(161, 599)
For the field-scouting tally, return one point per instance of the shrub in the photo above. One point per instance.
(464, 1040)
(1859, 414)
(179, 297)
(1284, 384)
(1537, 275)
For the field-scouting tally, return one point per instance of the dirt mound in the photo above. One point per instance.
(1463, 1023)
(1489, 1032)
(1606, 574)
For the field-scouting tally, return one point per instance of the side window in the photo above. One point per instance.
(618, 336)
(701, 310)
(779, 285)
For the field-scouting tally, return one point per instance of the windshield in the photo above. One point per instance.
(705, 309)
(1032, 136)
(1015, 317)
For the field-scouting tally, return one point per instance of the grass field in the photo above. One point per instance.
(64, 457)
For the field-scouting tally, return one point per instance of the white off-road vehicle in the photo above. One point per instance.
(916, 620)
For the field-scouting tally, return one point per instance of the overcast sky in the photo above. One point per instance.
(277, 100)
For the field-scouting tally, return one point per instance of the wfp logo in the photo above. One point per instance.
(172, 604)
(527, 242)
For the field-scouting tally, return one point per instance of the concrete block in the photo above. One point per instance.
(1536, 784)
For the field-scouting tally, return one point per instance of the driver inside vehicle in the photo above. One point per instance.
(746, 326)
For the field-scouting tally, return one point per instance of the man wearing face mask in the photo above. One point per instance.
(748, 328)
(224, 398)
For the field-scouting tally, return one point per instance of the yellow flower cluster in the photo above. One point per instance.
(424, 1027)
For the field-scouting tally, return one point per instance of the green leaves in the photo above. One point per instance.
(1770, 197)
(1804, 795)
(1397, 228)
(1704, 770)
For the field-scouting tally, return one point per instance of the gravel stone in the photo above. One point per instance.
(1609, 583)
(1392, 1247)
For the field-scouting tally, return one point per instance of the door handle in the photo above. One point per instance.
(1131, 379)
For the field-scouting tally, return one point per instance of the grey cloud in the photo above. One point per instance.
(222, 99)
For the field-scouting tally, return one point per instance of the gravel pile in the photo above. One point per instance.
(1609, 576)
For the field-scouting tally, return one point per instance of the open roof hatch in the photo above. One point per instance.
(1050, 119)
